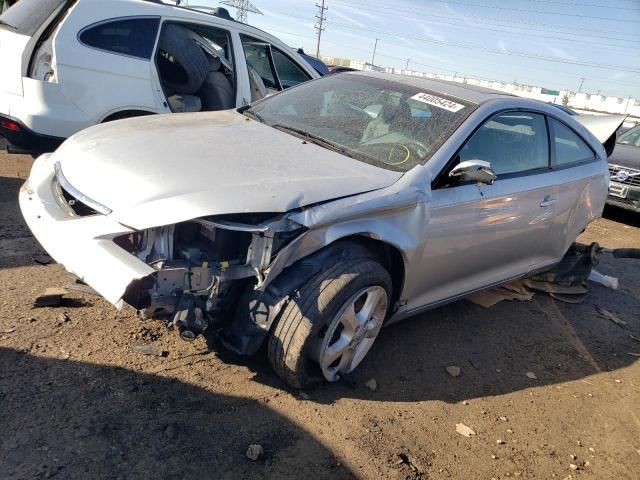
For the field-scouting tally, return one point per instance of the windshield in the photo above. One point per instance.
(385, 123)
(631, 137)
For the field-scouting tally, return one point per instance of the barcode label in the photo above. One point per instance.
(438, 102)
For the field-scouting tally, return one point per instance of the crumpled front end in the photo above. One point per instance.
(76, 235)
(193, 271)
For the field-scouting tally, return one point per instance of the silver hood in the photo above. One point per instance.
(160, 170)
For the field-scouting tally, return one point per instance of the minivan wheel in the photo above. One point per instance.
(330, 323)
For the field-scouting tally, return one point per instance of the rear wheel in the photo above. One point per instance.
(331, 322)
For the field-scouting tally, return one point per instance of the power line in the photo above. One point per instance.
(577, 15)
(493, 50)
(484, 28)
(319, 26)
(242, 7)
(439, 68)
(405, 12)
(575, 4)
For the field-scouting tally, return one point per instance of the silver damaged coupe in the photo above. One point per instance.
(312, 218)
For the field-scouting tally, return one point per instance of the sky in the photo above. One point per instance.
(550, 43)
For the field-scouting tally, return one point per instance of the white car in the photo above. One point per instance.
(70, 64)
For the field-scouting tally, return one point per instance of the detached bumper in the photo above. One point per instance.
(84, 245)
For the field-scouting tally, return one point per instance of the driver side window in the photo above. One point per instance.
(512, 142)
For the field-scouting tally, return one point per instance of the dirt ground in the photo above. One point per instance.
(77, 401)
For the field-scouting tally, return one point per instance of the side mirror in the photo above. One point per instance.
(474, 171)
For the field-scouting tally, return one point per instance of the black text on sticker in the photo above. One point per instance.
(437, 102)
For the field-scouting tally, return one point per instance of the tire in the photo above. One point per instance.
(293, 347)
(192, 60)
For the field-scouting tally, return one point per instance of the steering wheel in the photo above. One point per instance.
(397, 154)
(418, 148)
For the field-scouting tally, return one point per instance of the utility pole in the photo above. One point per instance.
(375, 47)
(407, 67)
(582, 79)
(242, 7)
(319, 26)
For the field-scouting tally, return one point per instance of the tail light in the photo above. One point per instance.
(10, 125)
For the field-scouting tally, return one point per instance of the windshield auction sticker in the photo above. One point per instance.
(437, 102)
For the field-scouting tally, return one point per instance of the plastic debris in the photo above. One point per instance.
(463, 430)
(606, 280)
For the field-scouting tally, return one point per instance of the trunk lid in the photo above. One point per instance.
(603, 127)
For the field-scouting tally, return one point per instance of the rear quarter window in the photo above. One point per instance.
(568, 147)
(135, 37)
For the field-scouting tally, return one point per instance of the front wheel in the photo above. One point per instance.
(331, 322)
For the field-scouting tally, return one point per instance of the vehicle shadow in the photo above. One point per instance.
(18, 248)
(495, 348)
(79, 420)
(621, 215)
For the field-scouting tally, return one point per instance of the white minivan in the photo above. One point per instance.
(70, 64)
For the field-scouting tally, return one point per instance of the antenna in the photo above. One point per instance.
(242, 7)
(320, 25)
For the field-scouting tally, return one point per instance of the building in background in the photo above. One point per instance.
(581, 101)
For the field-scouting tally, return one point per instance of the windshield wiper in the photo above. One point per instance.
(315, 139)
(5, 24)
(245, 111)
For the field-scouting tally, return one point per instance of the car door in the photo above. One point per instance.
(275, 69)
(108, 65)
(477, 234)
(579, 178)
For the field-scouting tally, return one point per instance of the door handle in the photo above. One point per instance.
(547, 201)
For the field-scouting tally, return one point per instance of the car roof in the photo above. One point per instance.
(221, 16)
(463, 91)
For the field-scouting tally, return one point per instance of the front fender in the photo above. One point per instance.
(398, 219)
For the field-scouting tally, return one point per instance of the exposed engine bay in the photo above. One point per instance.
(203, 266)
